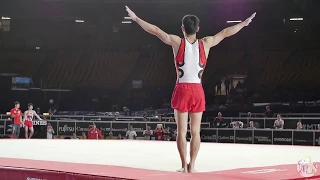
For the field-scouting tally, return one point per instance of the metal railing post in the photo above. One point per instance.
(5, 127)
(272, 136)
(217, 135)
(314, 138)
(252, 136)
(292, 137)
(57, 128)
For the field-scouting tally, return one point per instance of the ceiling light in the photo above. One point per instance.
(296, 19)
(234, 21)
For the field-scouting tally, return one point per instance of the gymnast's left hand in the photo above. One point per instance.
(131, 14)
(249, 19)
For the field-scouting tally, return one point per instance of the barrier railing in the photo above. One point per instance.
(282, 114)
(261, 136)
(225, 135)
(67, 128)
(290, 122)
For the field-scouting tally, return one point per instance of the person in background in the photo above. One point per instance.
(50, 112)
(94, 133)
(147, 133)
(131, 134)
(28, 121)
(318, 126)
(174, 136)
(168, 134)
(126, 111)
(219, 88)
(110, 135)
(236, 124)
(268, 113)
(255, 124)
(219, 122)
(50, 131)
(83, 135)
(227, 85)
(251, 125)
(145, 113)
(171, 119)
(16, 115)
(74, 136)
(159, 132)
(119, 136)
(102, 131)
(299, 126)
(116, 115)
(279, 123)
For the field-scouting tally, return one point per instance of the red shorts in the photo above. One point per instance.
(28, 124)
(188, 97)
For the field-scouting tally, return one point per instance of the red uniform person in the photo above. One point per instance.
(94, 133)
(28, 121)
(190, 59)
(159, 133)
(16, 114)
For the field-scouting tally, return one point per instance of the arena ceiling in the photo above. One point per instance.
(105, 15)
(268, 10)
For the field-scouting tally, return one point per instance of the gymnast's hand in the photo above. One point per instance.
(249, 19)
(131, 14)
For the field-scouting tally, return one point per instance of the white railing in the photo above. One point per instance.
(63, 127)
(282, 114)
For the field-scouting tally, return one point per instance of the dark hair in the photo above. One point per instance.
(17, 102)
(190, 24)
(30, 104)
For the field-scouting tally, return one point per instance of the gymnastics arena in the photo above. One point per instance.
(91, 89)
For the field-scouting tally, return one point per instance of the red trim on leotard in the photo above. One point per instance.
(202, 54)
(180, 54)
(180, 57)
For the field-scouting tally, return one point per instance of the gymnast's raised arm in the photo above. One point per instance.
(169, 39)
(211, 41)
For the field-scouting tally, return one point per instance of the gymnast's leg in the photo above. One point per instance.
(182, 127)
(195, 125)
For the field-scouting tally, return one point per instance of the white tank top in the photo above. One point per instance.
(30, 115)
(190, 62)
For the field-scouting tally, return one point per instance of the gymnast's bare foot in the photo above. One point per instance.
(191, 168)
(183, 170)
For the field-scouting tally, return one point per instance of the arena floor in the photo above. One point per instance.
(154, 159)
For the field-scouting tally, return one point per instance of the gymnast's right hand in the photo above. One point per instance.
(131, 14)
